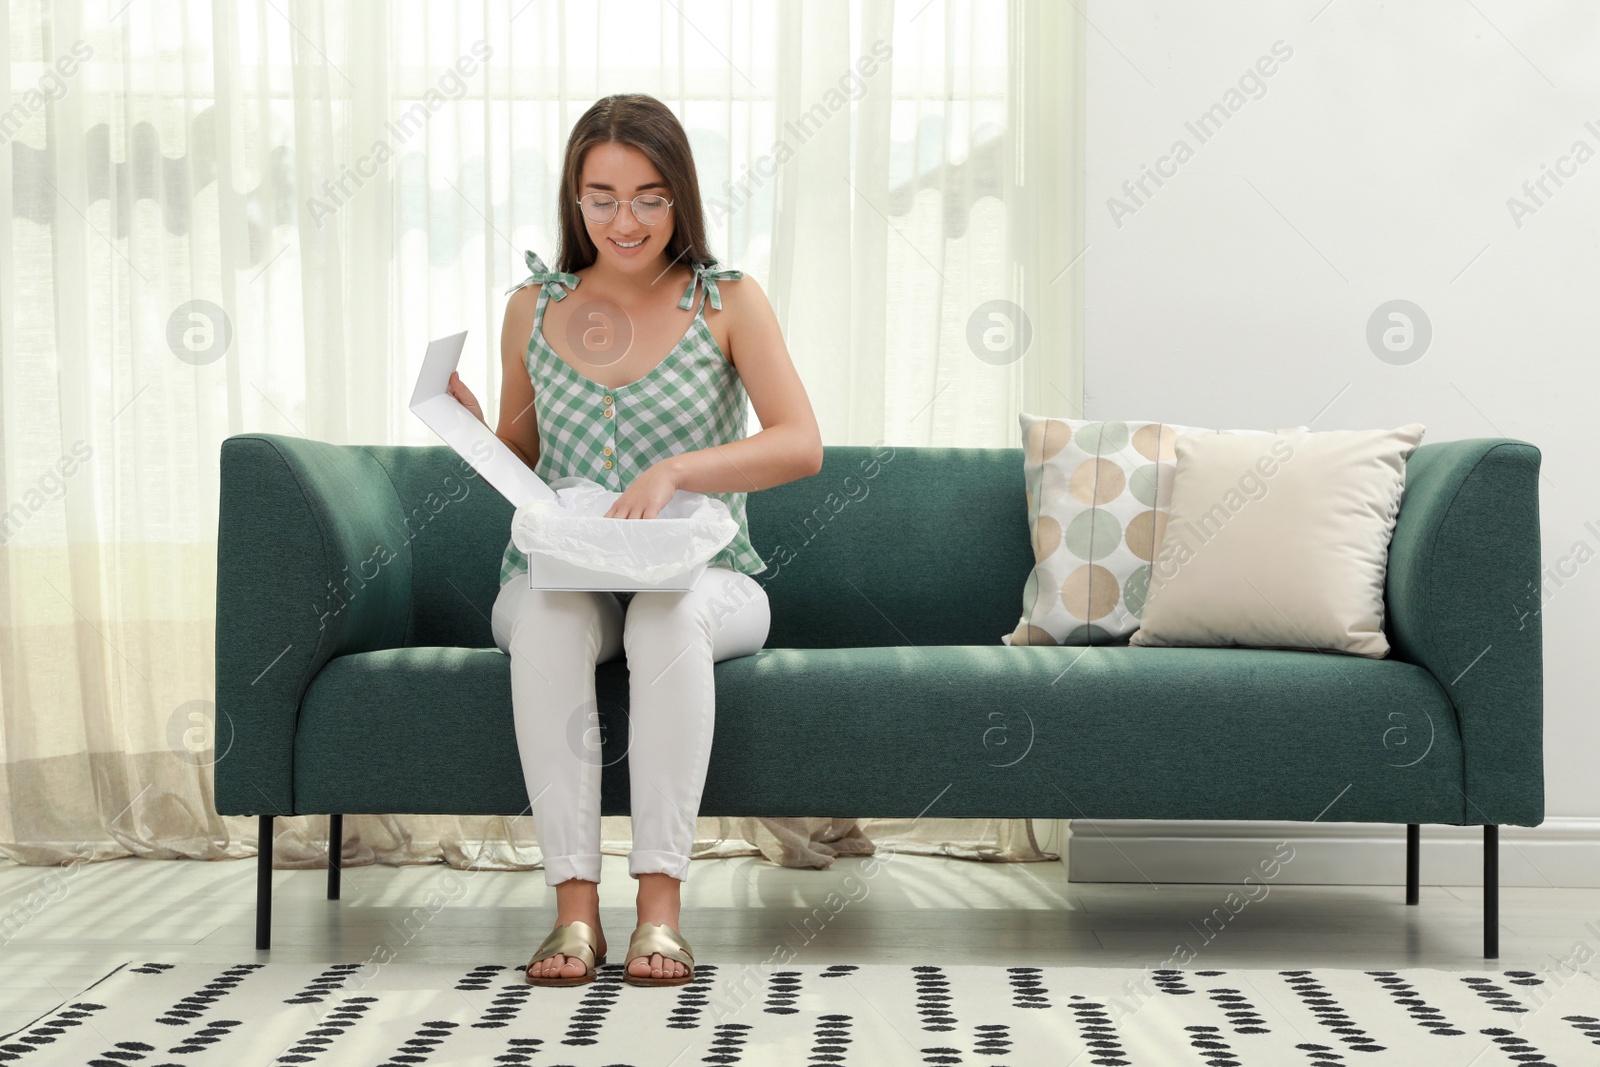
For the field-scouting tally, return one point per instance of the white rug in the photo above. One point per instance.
(159, 1014)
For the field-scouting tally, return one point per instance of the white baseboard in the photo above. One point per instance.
(1563, 851)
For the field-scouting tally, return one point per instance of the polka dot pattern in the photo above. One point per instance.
(1097, 481)
(1092, 535)
(1098, 494)
(1046, 537)
(1090, 592)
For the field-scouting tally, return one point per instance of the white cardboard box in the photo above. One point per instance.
(502, 468)
(547, 573)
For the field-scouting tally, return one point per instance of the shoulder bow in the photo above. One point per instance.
(704, 272)
(542, 275)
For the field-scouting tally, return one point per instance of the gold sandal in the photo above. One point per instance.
(576, 939)
(651, 938)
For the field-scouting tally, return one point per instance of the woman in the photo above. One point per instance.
(588, 392)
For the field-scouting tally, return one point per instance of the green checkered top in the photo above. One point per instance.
(692, 400)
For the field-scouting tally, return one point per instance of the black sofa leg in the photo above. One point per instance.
(1413, 862)
(264, 884)
(1491, 892)
(335, 853)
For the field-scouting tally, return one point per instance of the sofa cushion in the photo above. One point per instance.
(1279, 541)
(888, 546)
(948, 731)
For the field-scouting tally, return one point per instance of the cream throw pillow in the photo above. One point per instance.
(1097, 494)
(1279, 541)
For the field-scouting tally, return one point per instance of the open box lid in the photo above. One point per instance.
(461, 430)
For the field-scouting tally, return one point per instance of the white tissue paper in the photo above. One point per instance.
(691, 529)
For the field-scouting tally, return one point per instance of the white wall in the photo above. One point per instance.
(1376, 164)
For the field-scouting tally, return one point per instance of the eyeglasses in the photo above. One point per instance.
(601, 208)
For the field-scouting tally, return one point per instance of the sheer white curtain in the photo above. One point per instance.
(247, 215)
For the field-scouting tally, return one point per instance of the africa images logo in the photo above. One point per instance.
(1205, 126)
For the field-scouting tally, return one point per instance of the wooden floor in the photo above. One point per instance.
(60, 933)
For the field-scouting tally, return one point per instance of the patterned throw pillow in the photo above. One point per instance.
(1098, 494)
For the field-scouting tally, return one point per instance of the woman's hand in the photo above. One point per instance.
(646, 495)
(458, 389)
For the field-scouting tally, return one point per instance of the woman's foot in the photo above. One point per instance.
(658, 903)
(575, 899)
(559, 966)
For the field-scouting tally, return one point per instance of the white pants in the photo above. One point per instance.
(555, 638)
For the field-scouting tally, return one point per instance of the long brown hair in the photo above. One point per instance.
(643, 122)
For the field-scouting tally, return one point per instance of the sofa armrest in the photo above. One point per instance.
(312, 563)
(1462, 599)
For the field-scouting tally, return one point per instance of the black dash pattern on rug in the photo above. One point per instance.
(421, 1015)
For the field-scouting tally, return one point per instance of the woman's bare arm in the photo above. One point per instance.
(789, 445)
(518, 427)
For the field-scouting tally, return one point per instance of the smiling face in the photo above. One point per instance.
(626, 244)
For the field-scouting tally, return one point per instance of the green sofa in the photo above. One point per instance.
(356, 671)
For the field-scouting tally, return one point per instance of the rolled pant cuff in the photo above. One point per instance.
(559, 869)
(656, 862)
